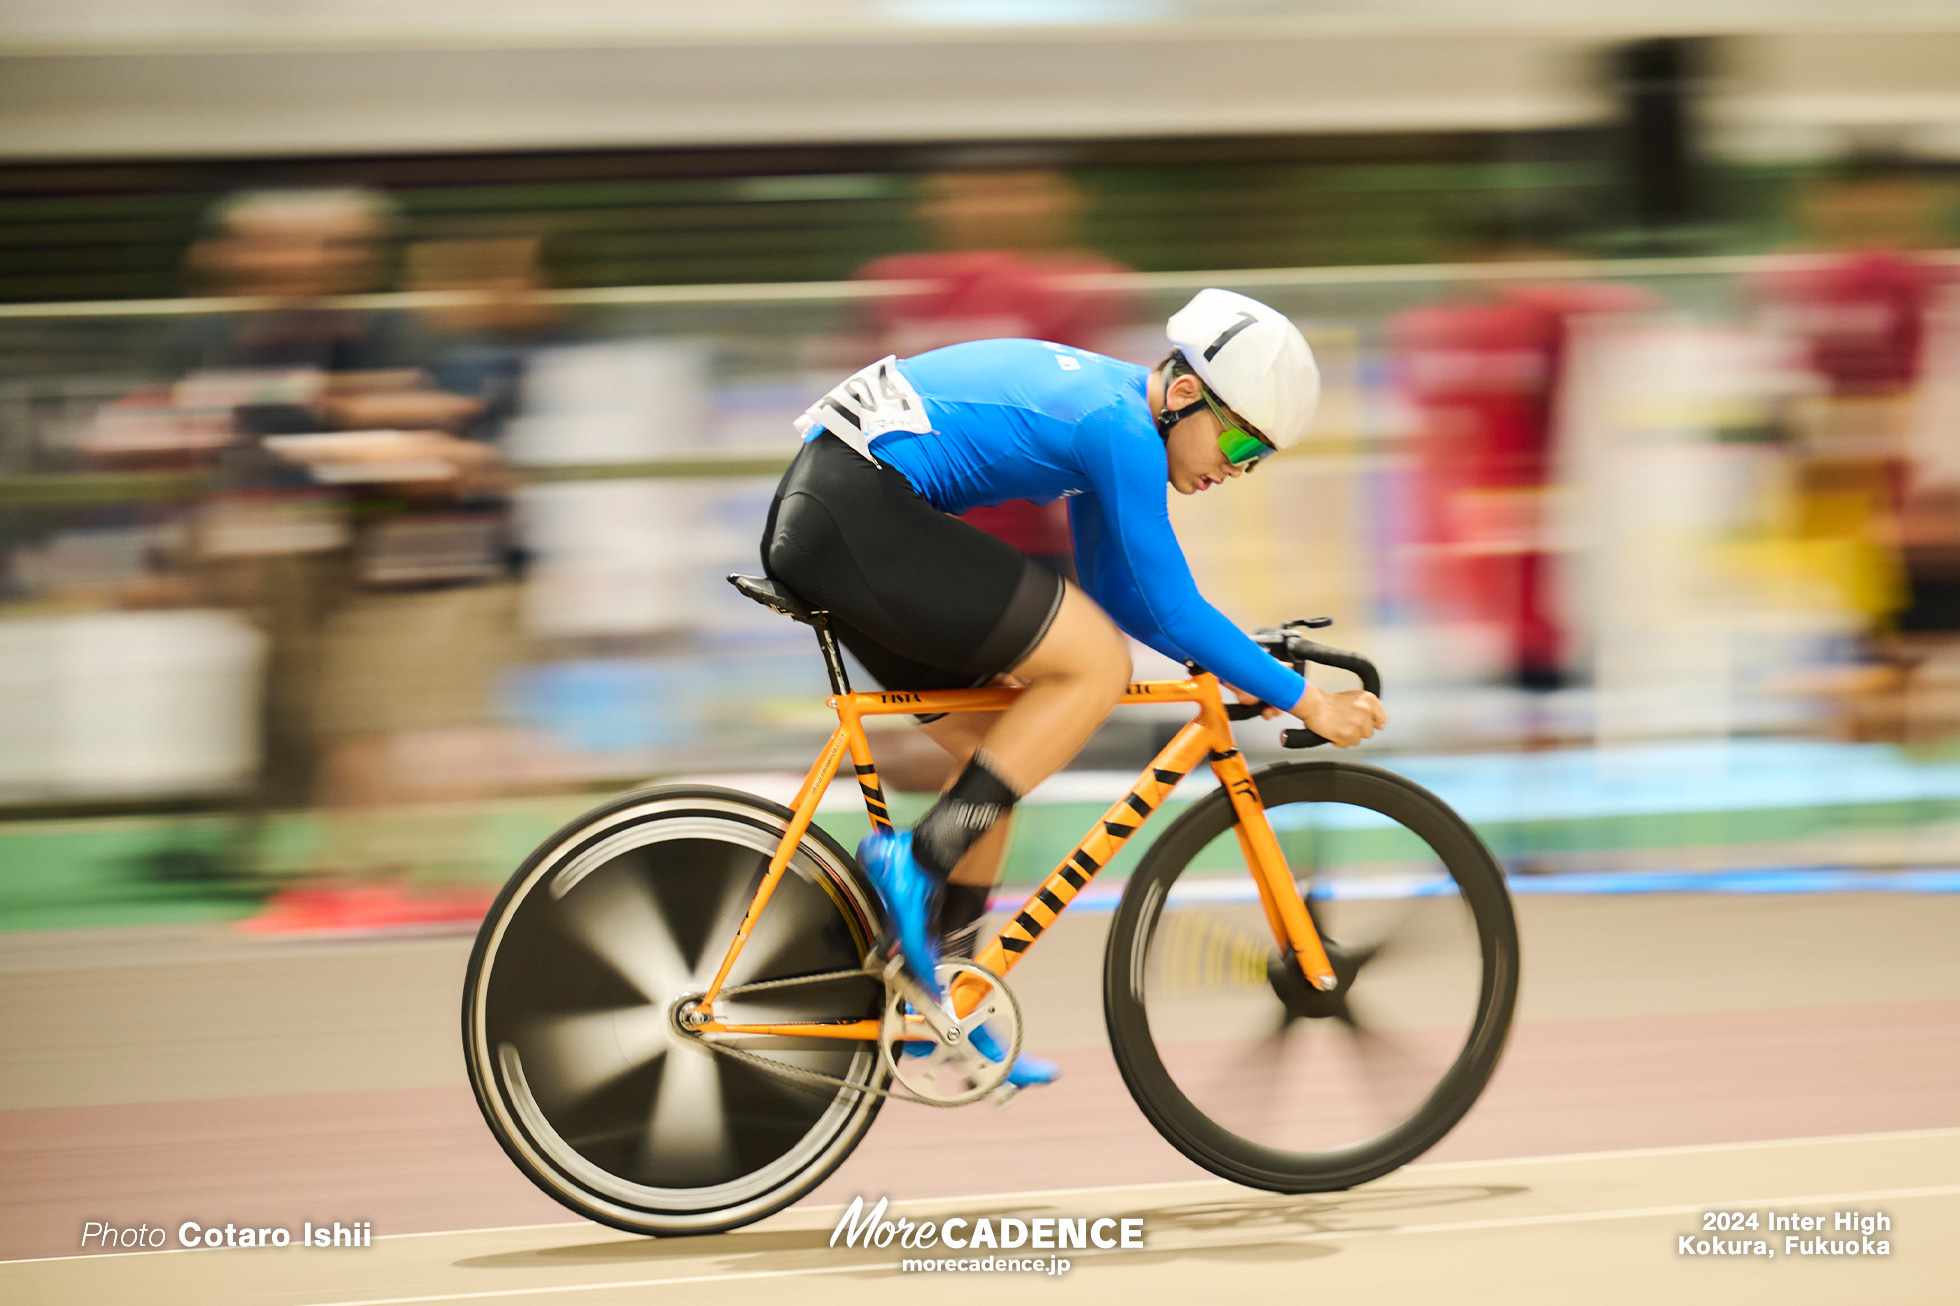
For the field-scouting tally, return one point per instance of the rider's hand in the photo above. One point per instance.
(1343, 719)
(1269, 714)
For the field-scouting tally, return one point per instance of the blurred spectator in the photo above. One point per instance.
(273, 542)
(1006, 254)
(1874, 462)
(1483, 379)
(493, 318)
(416, 647)
(1862, 315)
(359, 515)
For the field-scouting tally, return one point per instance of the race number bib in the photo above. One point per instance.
(866, 405)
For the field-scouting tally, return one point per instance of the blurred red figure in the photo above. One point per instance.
(1862, 318)
(1002, 269)
(1862, 314)
(1874, 452)
(1483, 380)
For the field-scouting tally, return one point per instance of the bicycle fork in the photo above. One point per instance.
(1286, 912)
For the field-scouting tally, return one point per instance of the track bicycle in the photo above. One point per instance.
(683, 1010)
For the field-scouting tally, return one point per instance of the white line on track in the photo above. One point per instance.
(1688, 1149)
(1455, 1226)
(1557, 1158)
(548, 1289)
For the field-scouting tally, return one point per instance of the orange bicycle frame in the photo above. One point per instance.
(1207, 737)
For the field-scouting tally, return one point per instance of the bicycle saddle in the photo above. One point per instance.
(774, 595)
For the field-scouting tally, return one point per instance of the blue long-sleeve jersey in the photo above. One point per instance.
(1025, 419)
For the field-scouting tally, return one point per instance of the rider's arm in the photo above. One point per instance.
(1108, 581)
(1136, 570)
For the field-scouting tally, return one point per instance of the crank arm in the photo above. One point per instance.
(945, 1028)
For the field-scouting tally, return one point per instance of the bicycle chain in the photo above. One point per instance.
(786, 1070)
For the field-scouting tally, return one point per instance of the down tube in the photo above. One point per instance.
(1187, 748)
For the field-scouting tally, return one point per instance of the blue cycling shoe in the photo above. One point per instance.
(1027, 1071)
(910, 895)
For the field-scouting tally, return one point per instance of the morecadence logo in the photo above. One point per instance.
(980, 1239)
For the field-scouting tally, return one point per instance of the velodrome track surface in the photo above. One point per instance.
(1598, 1227)
(1675, 1054)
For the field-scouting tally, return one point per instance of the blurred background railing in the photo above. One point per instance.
(649, 424)
(379, 416)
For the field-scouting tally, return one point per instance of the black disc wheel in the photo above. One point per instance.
(583, 970)
(1247, 1068)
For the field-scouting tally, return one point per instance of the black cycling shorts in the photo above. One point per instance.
(922, 599)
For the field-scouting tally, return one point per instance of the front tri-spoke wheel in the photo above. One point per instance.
(580, 977)
(1244, 1065)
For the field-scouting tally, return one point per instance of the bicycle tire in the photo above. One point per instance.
(567, 984)
(1130, 963)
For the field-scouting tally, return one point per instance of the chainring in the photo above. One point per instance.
(946, 1069)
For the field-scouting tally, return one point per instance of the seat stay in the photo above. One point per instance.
(804, 812)
(819, 775)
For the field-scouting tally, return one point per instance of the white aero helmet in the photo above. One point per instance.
(1253, 358)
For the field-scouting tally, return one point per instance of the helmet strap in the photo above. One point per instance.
(1168, 417)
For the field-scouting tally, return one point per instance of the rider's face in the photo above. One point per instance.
(1196, 461)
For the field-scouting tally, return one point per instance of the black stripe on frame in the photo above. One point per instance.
(1014, 945)
(1073, 876)
(1053, 903)
(866, 770)
(1118, 831)
(1028, 923)
(1164, 777)
(1137, 804)
(1088, 864)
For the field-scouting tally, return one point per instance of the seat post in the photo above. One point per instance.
(833, 661)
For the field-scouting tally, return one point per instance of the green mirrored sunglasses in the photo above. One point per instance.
(1241, 447)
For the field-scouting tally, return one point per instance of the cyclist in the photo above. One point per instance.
(862, 527)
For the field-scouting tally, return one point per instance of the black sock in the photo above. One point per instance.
(961, 909)
(963, 813)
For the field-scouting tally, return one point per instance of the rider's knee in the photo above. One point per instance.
(1109, 661)
(1082, 647)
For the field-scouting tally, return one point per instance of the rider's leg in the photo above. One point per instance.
(964, 902)
(961, 734)
(1071, 680)
(1075, 674)
(928, 602)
